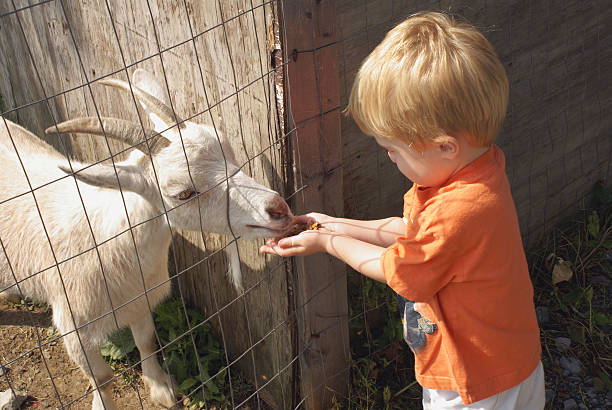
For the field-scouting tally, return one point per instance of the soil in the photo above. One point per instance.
(25, 369)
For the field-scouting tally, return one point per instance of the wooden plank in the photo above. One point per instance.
(321, 300)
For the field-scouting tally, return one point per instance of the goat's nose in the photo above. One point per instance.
(277, 208)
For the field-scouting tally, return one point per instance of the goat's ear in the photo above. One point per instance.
(146, 82)
(105, 176)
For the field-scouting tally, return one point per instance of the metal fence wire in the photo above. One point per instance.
(89, 222)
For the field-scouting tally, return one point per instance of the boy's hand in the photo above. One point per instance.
(314, 217)
(306, 243)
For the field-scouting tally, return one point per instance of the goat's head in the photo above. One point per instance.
(190, 164)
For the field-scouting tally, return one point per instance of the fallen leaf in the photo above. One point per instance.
(561, 272)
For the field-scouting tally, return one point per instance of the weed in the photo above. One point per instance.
(27, 304)
(579, 306)
(382, 370)
(192, 356)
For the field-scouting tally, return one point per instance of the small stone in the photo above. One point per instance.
(570, 404)
(562, 343)
(12, 401)
(542, 314)
(2, 371)
(570, 364)
(46, 354)
(609, 395)
(581, 406)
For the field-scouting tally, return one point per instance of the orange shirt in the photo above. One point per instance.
(462, 261)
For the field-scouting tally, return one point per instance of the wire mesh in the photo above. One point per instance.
(556, 138)
(290, 334)
(221, 50)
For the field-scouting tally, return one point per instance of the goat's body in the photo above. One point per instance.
(67, 239)
(97, 288)
(104, 273)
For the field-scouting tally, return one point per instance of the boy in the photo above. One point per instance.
(434, 94)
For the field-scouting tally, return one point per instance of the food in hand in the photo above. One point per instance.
(297, 228)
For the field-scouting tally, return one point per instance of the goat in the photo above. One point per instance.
(94, 243)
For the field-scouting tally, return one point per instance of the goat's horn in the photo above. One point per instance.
(157, 106)
(122, 130)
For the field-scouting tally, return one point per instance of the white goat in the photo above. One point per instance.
(87, 247)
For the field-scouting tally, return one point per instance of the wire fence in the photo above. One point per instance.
(270, 79)
(222, 51)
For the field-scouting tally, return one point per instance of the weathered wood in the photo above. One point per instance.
(209, 54)
(556, 134)
(321, 298)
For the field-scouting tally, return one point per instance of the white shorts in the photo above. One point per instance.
(528, 395)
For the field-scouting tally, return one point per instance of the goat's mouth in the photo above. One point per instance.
(273, 230)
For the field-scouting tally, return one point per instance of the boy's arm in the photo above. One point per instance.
(362, 256)
(380, 232)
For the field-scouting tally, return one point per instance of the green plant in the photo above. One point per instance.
(579, 302)
(192, 355)
(382, 370)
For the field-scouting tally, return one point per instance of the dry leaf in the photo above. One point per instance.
(561, 272)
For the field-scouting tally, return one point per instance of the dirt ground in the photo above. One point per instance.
(26, 370)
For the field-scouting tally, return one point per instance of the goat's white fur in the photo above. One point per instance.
(93, 263)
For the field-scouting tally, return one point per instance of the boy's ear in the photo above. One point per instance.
(448, 146)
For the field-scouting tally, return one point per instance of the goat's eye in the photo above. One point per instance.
(186, 194)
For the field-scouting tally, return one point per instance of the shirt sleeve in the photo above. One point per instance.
(417, 268)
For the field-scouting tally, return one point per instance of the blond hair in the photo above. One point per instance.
(431, 76)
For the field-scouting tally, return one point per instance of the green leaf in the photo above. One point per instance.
(588, 293)
(387, 394)
(601, 319)
(187, 384)
(574, 297)
(118, 345)
(108, 349)
(593, 225)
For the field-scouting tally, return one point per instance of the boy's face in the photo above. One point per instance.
(430, 167)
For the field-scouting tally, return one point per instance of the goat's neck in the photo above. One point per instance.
(148, 226)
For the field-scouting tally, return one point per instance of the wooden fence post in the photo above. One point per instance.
(314, 123)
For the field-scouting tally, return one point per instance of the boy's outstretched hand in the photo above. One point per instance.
(328, 234)
(307, 242)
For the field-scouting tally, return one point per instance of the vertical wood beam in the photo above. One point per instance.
(314, 124)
